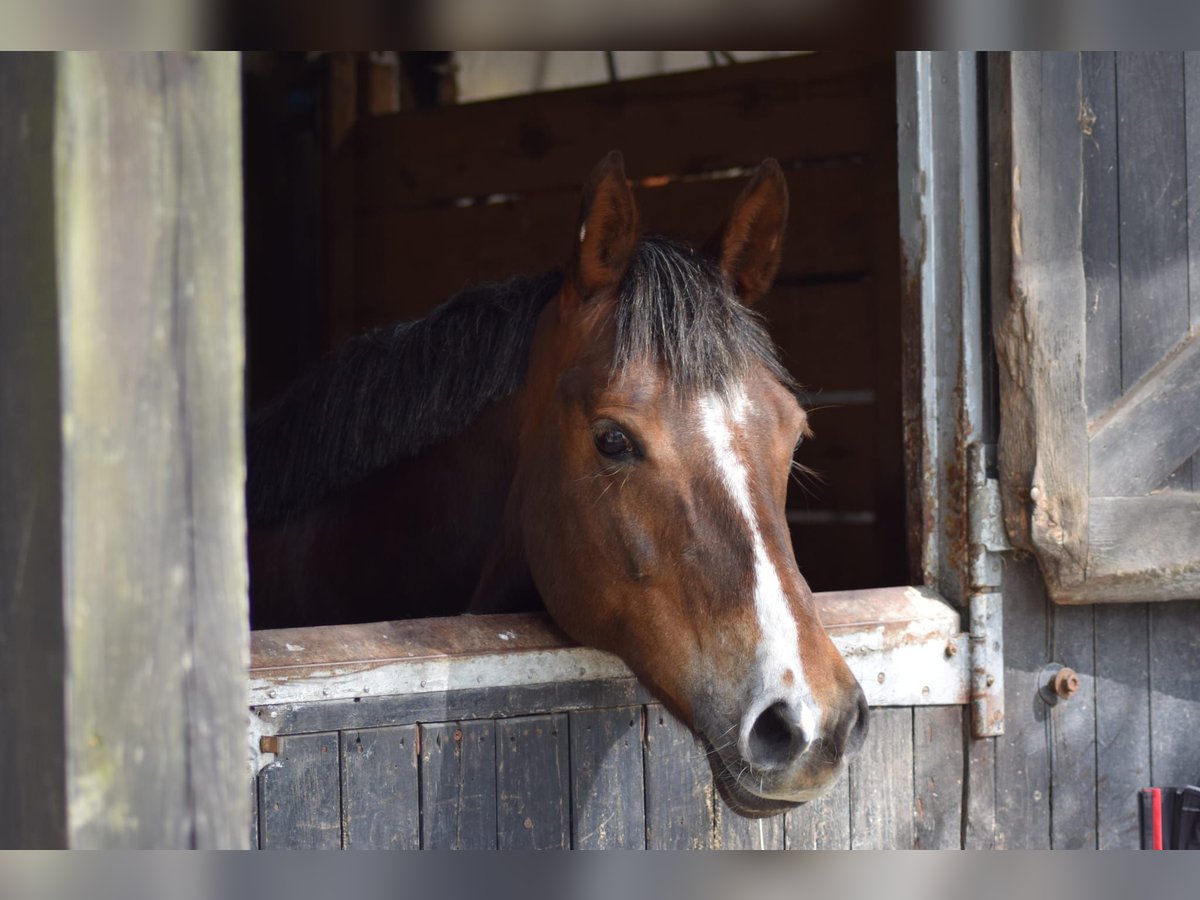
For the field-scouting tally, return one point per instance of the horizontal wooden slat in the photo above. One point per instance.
(1140, 548)
(798, 108)
(407, 262)
(826, 334)
(901, 631)
(1151, 430)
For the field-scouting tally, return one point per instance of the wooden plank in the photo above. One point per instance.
(821, 330)
(1174, 693)
(881, 784)
(33, 773)
(979, 819)
(381, 807)
(533, 783)
(1022, 754)
(1152, 430)
(1191, 91)
(1142, 548)
(409, 261)
(1154, 208)
(254, 839)
(734, 832)
(731, 116)
(679, 786)
(458, 786)
(607, 785)
(1043, 445)
(299, 795)
(480, 703)
(1122, 722)
(1100, 231)
(822, 824)
(1073, 734)
(840, 456)
(938, 771)
(148, 219)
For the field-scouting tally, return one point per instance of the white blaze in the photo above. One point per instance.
(779, 650)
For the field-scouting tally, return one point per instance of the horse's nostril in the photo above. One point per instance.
(854, 731)
(774, 738)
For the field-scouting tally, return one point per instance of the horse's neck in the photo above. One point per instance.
(415, 539)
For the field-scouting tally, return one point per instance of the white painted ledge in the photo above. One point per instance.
(905, 645)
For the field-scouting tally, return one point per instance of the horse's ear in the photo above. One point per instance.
(749, 246)
(608, 223)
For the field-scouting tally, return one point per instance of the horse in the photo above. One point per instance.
(610, 441)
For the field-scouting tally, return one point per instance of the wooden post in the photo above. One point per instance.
(123, 608)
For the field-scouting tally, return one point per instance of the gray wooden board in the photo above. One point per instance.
(32, 650)
(440, 706)
(1101, 221)
(736, 832)
(458, 786)
(607, 786)
(937, 748)
(1073, 733)
(679, 785)
(380, 792)
(881, 784)
(533, 783)
(254, 842)
(1191, 90)
(1022, 754)
(300, 806)
(821, 824)
(1122, 721)
(1153, 205)
(979, 818)
(1175, 693)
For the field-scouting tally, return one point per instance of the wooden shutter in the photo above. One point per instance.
(1096, 299)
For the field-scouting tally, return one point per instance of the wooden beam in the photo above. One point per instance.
(142, 298)
(1152, 429)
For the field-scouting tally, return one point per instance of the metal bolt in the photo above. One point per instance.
(268, 743)
(1066, 683)
(881, 678)
(991, 679)
(271, 694)
(951, 648)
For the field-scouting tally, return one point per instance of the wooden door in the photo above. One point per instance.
(1096, 333)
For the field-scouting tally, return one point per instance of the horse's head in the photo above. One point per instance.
(657, 436)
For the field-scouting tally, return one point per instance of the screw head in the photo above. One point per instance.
(1066, 683)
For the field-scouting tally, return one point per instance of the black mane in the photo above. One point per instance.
(401, 389)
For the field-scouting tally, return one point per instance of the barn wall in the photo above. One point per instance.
(1067, 775)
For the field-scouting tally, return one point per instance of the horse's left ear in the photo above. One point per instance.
(749, 246)
(608, 224)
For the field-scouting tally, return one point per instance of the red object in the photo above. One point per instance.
(1156, 816)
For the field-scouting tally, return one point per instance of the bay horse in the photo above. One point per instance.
(611, 442)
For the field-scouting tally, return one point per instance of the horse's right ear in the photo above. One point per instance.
(608, 223)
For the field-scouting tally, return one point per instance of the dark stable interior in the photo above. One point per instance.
(371, 197)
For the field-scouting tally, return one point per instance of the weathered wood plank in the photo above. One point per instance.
(735, 832)
(380, 795)
(1122, 722)
(482, 703)
(1073, 734)
(822, 824)
(737, 116)
(979, 820)
(254, 839)
(679, 786)
(33, 773)
(299, 795)
(1174, 693)
(458, 786)
(1152, 430)
(1042, 386)
(1101, 231)
(533, 783)
(607, 785)
(1191, 91)
(1022, 754)
(1142, 548)
(881, 784)
(1154, 208)
(148, 217)
(937, 748)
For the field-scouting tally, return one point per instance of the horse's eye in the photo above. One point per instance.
(613, 442)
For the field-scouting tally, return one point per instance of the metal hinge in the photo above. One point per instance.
(987, 544)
